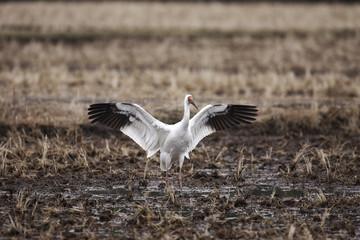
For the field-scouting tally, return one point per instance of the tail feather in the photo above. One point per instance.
(165, 161)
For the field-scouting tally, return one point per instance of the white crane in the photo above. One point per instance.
(174, 141)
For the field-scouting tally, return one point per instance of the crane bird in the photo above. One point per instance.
(175, 141)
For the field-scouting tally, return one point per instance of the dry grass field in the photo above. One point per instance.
(292, 174)
(84, 16)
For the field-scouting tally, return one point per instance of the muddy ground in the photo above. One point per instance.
(239, 184)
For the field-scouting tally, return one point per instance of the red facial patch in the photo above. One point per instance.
(190, 99)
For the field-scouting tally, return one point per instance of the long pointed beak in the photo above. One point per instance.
(193, 103)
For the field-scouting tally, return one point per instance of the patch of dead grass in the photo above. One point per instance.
(207, 68)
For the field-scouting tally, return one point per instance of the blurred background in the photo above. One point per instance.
(163, 50)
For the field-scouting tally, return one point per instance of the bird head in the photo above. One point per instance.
(189, 100)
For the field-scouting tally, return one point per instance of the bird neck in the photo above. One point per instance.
(186, 117)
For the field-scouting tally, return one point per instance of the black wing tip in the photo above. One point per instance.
(100, 106)
(107, 114)
(244, 107)
(96, 110)
(245, 110)
(234, 115)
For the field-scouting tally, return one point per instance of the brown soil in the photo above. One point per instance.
(268, 194)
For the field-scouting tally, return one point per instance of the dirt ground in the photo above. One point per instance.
(238, 184)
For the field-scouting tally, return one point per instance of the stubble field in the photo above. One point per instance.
(292, 174)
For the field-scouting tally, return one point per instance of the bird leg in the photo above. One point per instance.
(180, 182)
(167, 182)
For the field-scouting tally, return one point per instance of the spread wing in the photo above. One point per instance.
(214, 118)
(148, 132)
